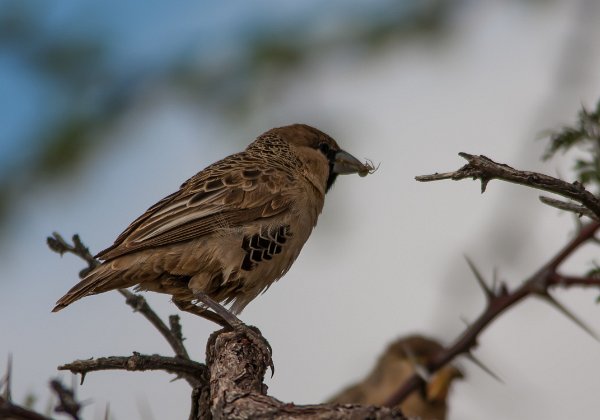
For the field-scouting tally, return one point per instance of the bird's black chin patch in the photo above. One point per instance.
(331, 179)
(330, 155)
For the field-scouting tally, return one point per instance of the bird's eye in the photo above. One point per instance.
(324, 148)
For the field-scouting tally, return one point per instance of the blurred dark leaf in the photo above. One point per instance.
(72, 58)
(594, 272)
(273, 52)
(17, 23)
(30, 400)
(66, 147)
(583, 135)
(5, 198)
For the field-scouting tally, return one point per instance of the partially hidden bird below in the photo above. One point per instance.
(231, 230)
(402, 358)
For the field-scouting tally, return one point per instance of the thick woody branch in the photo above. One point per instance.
(485, 169)
(193, 372)
(237, 369)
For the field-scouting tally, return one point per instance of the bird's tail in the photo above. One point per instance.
(101, 279)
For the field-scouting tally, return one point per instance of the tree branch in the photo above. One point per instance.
(57, 244)
(192, 371)
(485, 169)
(172, 335)
(566, 206)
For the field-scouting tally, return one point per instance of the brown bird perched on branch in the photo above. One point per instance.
(399, 362)
(232, 229)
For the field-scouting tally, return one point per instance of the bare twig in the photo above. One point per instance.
(485, 169)
(67, 403)
(192, 371)
(175, 327)
(57, 244)
(174, 338)
(574, 208)
(5, 382)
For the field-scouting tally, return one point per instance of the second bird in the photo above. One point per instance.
(232, 229)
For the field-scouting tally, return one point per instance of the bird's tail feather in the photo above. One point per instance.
(98, 281)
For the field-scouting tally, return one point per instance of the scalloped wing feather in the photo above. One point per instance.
(211, 200)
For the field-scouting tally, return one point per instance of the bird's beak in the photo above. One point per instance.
(439, 385)
(345, 164)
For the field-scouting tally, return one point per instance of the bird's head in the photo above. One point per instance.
(322, 157)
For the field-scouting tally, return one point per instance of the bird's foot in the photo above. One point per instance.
(255, 337)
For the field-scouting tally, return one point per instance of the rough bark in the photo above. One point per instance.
(237, 369)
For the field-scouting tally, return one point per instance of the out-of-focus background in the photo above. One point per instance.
(106, 107)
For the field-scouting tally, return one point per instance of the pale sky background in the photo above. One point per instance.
(387, 256)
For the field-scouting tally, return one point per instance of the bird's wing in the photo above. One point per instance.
(226, 194)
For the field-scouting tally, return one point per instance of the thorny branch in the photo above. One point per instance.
(500, 298)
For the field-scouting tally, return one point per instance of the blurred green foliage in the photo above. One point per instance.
(583, 135)
(30, 401)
